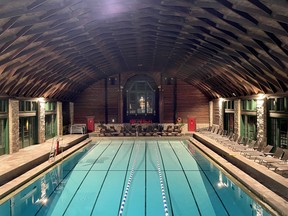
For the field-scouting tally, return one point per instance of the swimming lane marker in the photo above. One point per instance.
(128, 185)
(162, 189)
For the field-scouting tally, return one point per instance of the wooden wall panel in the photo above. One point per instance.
(191, 103)
(113, 102)
(168, 103)
(91, 102)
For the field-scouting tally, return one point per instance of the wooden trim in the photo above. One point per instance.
(229, 111)
(253, 113)
(278, 115)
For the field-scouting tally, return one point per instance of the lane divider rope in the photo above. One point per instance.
(128, 185)
(162, 187)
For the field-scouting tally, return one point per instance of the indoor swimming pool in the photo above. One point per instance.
(135, 178)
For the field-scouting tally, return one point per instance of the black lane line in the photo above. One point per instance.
(105, 178)
(186, 178)
(166, 179)
(208, 179)
(68, 172)
(125, 179)
(85, 178)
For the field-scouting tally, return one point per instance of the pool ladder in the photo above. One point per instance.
(52, 153)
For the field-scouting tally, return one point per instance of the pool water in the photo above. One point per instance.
(135, 178)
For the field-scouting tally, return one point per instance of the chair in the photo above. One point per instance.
(113, 131)
(248, 144)
(276, 157)
(176, 130)
(234, 143)
(265, 151)
(224, 137)
(257, 147)
(282, 161)
(281, 169)
(168, 131)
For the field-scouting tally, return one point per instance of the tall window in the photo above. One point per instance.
(249, 127)
(3, 127)
(3, 136)
(27, 131)
(27, 123)
(140, 99)
(50, 120)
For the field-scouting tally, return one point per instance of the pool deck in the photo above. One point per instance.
(19, 168)
(269, 186)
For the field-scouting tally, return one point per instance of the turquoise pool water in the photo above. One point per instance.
(133, 178)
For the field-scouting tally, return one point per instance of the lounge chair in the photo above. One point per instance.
(168, 131)
(281, 169)
(257, 147)
(243, 141)
(225, 137)
(232, 139)
(237, 142)
(276, 157)
(282, 161)
(265, 151)
(248, 145)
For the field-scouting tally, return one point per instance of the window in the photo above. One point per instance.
(229, 122)
(249, 127)
(27, 131)
(3, 106)
(140, 99)
(27, 106)
(278, 104)
(3, 136)
(229, 104)
(272, 104)
(50, 126)
(50, 106)
(248, 105)
(279, 132)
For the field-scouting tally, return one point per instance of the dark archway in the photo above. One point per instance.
(141, 100)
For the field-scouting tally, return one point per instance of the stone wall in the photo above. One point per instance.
(41, 121)
(261, 112)
(59, 119)
(13, 116)
(210, 113)
(221, 114)
(237, 116)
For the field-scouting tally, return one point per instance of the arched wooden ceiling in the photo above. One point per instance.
(57, 48)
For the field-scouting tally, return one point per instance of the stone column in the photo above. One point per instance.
(221, 114)
(13, 122)
(41, 121)
(59, 117)
(71, 112)
(261, 112)
(237, 116)
(210, 113)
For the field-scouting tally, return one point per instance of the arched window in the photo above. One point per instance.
(140, 99)
(140, 102)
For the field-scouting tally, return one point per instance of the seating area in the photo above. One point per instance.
(140, 130)
(274, 158)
